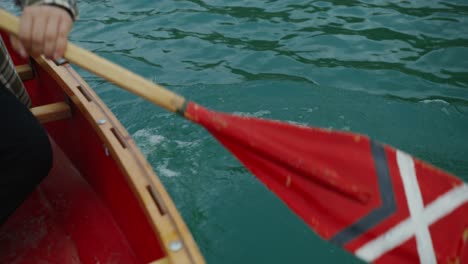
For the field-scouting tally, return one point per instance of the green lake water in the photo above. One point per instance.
(394, 70)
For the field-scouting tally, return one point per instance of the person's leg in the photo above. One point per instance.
(25, 153)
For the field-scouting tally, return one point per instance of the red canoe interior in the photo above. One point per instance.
(84, 211)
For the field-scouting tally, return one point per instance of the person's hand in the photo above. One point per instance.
(43, 30)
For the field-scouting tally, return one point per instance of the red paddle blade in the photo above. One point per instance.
(373, 200)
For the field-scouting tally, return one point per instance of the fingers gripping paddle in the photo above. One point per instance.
(377, 202)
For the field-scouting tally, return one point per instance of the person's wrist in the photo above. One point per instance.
(72, 16)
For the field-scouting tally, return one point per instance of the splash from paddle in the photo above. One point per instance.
(373, 200)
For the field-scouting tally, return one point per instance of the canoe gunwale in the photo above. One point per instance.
(159, 208)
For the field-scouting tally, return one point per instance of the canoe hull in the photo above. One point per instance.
(98, 160)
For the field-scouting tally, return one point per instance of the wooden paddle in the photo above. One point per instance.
(357, 193)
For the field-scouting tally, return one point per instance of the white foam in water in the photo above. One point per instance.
(434, 101)
(256, 114)
(297, 123)
(152, 138)
(165, 171)
(186, 144)
(155, 139)
(147, 139)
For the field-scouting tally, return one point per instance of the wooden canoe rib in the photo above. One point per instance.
(25, 72)
(51, 112)
(102, 202)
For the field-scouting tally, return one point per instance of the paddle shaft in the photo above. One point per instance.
(175, 103)
(109, 71)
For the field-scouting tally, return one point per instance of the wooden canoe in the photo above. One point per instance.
(102, 202)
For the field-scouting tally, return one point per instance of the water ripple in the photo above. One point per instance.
(243, 40)
(396, 70)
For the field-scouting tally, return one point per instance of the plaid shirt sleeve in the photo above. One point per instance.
(9, 78)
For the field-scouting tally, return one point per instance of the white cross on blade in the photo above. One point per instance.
(420, 218)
